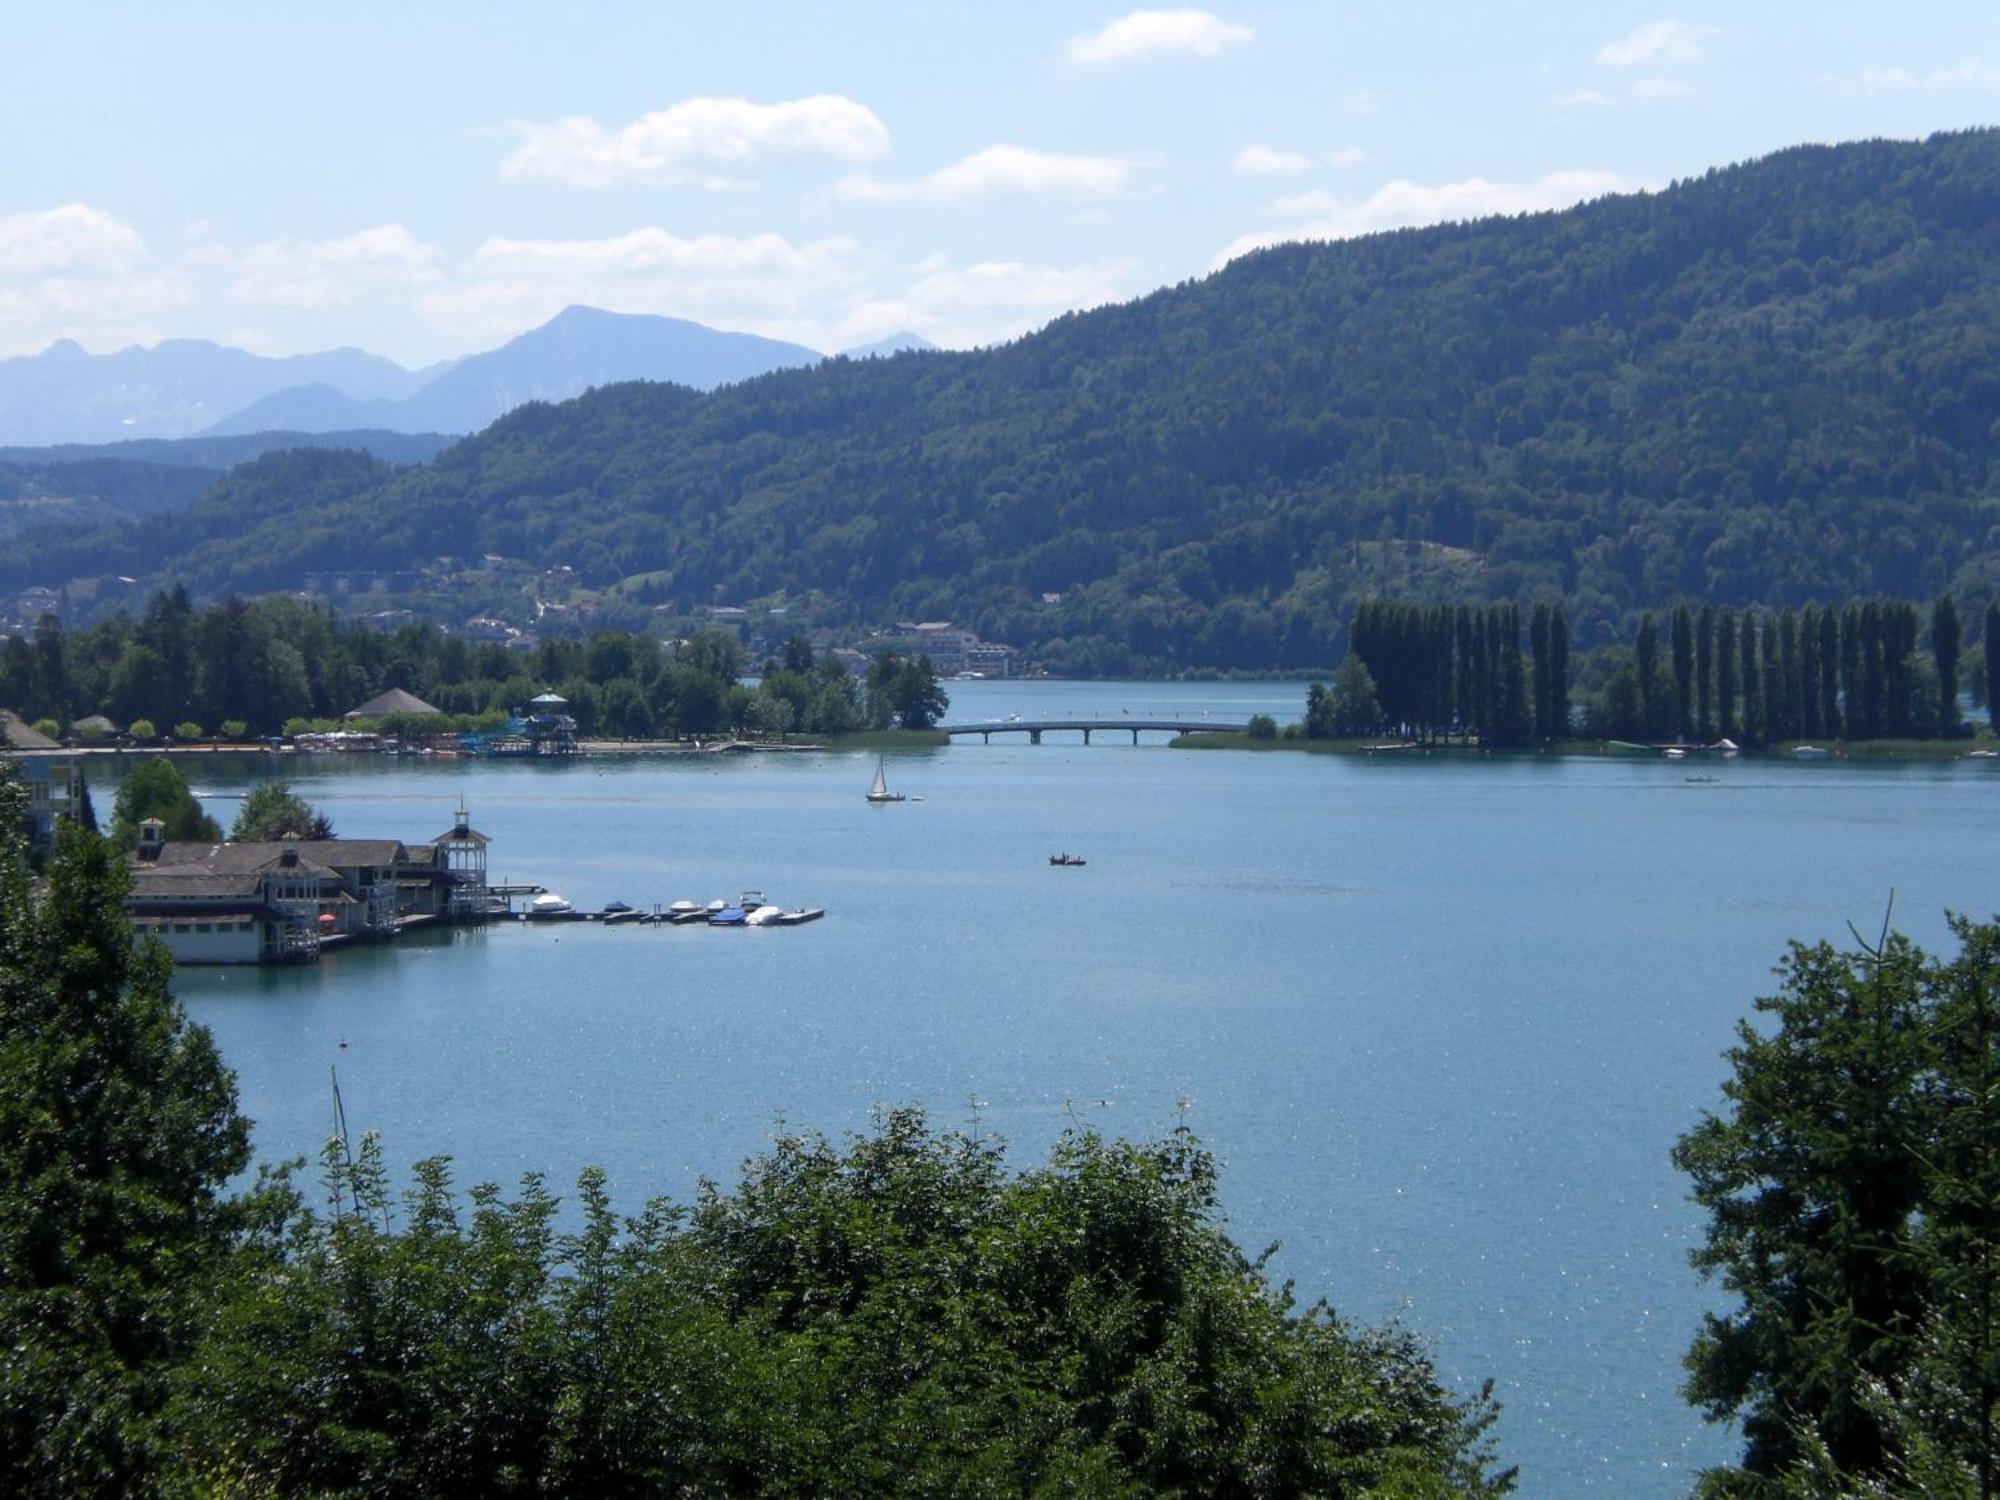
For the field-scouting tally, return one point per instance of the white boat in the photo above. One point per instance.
(549, 904)
(764, 916)
(880, 792)
(1809, 752)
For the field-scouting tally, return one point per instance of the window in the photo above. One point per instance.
(203, 927)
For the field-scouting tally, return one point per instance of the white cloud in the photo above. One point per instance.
(990, 301)
(650, 250)
(1970, 73)
(1644, 91)
(317, 275)
(709, 141)
(74, 237)
(1402, 204)
(1346, 156)
(999, 172)
(1181, 32)
(1667, 41)
(762, 283)
(1659, 88)
(1016, 287)
(1261, 160)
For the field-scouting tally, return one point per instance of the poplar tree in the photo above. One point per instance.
(1945, 644)
(1704, 673)
(1853, 681)
(1683, 652)
(1646, 659)
(1771, 681)
(1727, 725)
(1811, 718)
(1746, 666)
(1559, 670)
(1538, 645)
(1993, 662)
(1831, 713)
(1792, 717)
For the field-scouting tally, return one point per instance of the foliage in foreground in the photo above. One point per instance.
(903, 1314)
(118, 1131)
(1853, 1193)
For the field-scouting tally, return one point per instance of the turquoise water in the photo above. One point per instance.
(1441, 1020)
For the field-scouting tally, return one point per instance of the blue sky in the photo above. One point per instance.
(425, 181)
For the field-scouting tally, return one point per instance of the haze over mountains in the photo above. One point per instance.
(188, 386)
(1774, 383)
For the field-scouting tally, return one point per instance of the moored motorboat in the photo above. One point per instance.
(729, 916)
(764, 916)
(1067, 859)
(685, 911)
(549, 904)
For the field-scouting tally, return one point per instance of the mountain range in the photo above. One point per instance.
(1772, 383)
(189, 386)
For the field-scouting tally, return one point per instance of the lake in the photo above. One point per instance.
(1442, 1020)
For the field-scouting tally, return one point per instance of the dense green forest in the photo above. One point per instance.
(902, 1314)
(1771, 384)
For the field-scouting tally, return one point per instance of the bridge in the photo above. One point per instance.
(1034, 729)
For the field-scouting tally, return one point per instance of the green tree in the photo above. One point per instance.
(272, 810)
(154, 789)
(1991, 647)
(1815, 1181)
(907, 690)
(1351, 708)
(118, 1131)
(1947, 641)
(1683, 658)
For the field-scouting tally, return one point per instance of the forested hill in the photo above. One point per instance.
(1776, 382)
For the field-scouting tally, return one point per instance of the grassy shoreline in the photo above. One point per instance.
(1927, 750)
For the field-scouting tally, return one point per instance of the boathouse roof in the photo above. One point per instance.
(18, 734)
(395, 701)
(324, 855)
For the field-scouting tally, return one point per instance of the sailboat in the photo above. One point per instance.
(880, 792)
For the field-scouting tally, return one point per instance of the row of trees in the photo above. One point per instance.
(1442, 670)
(275, 663)
(1850, 672)
(1856, 672)
(905, 1313)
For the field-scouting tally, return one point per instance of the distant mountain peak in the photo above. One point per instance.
(895, 343)
(579, 348)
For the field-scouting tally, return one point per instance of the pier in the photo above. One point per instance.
(1034, 729)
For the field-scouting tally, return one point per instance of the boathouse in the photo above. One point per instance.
(282, 899)
(258, 904)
